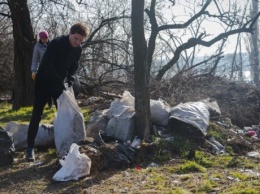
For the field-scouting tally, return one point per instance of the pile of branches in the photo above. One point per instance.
(237, 101)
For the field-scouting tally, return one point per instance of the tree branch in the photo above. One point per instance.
(198, 41)
(187, 23)
(102, 24)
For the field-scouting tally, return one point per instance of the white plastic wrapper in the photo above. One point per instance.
(74, 165)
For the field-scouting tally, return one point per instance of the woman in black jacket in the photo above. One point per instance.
(60, 61)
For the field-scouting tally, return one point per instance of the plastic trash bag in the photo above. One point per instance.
(6, 148)
(193, 113)
(159, 112)
(44, 137)
(76, 86)
(121, 118)
(74, 165)
(119, 157)
(97, 123)
(122, 107)
(121, 128)
(69, 124)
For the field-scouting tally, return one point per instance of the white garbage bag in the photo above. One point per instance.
(97, 123)
(44, 137)
(159, 112)
(122, 107)
(121, 128)
(74, 165)
(194, 113)
(121, 118)
(69, 124)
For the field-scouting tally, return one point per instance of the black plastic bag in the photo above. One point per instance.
(7, 148)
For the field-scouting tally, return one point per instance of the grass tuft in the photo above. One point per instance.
(190, 166)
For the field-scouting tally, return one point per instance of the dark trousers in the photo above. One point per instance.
(43, 91)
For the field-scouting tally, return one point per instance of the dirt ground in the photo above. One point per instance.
(143, 177)
(231, 173)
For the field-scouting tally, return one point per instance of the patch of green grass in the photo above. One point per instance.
(246, 191)
(164, 151)
(235, 162)
(202, 159)
(189, 167)
(217, 175)
(241, 161)
(239, 175)
(185, 178)
(157, 179)
(161, 158)
(176, 190)
(215, 131)
(52, 151)
(249, 164)
(206, 187)
(221, 161)
(229, 150)
(170, 169)
(181, 145)
(23, 115)
(86, 114)
(246, 187)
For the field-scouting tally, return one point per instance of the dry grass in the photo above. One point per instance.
(206, 173)
(168, 177)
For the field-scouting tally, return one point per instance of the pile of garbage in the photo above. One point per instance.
(242, 140)
(114, 142)
(118, 120)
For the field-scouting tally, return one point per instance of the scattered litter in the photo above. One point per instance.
(37, 163)
(253, 154)
(138, 168)
(214, 179)
(153, 165)
(136, 142)
(250, 133)
(217, 147)
(250, 171)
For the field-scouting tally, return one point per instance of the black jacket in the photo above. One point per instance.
(60, 60)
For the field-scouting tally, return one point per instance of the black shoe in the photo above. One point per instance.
(30, 156)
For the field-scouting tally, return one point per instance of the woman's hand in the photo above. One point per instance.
(33, 75)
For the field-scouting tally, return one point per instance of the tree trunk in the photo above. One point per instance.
(141, 71)
(23, 48)
(255, 46)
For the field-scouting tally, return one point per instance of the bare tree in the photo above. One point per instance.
(141, 71)
(255, 49)
(23, 46)
(234, 66)
(145, 59)
(155, 29)
(6, 61)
